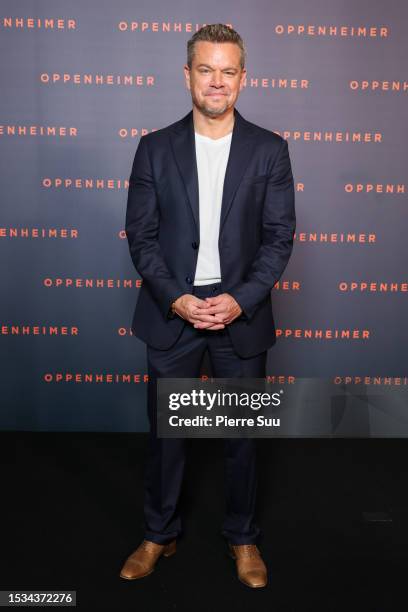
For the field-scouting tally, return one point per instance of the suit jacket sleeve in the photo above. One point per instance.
(278, 228)
(142, 228)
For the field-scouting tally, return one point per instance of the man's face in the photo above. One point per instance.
(215, 78)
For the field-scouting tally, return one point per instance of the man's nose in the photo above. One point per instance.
(217, 80)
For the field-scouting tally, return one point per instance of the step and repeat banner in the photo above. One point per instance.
(82, 81)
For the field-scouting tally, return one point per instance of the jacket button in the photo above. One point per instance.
(189, 280)
(194, 245)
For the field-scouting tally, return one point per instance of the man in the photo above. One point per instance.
(210, 223)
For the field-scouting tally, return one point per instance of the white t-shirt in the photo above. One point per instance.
(212, 157)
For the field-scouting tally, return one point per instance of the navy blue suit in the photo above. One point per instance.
(255, 242)
(256, 229)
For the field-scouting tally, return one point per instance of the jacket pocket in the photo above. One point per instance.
(258, 178)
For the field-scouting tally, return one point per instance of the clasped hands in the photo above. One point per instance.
(211, 313)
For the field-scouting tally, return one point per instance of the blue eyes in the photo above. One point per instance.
(228, 73)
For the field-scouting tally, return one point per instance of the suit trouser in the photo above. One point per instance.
(164, 468)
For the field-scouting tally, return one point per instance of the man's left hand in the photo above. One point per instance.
(223, 306)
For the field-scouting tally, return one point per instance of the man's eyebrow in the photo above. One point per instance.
(208, 66)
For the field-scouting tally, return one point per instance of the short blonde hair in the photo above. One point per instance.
(215, 32)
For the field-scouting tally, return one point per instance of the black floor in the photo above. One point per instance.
(72, 512)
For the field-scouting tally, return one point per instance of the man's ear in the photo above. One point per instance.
(242, 80)
(186, 76)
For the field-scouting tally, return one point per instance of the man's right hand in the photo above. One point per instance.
(186, 306)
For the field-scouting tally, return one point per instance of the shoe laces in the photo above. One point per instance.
(149, 546)
(247, 550)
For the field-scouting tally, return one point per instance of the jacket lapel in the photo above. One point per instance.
(241, 151)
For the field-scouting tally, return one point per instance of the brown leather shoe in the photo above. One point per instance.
(142, 561)
(250, 566)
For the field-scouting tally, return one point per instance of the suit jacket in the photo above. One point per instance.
(257, 226)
